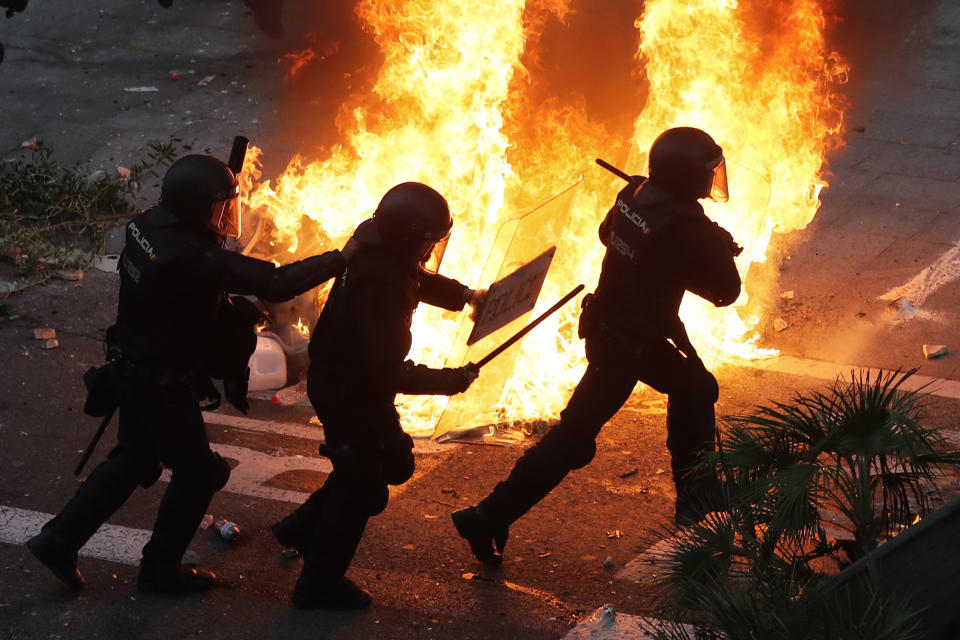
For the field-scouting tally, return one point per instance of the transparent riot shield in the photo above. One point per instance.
(518, 242)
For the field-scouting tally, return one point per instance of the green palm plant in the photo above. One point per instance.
(854, 456)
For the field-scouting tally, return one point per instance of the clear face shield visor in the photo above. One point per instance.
(225, 217)
(433, 254)
(718, 180)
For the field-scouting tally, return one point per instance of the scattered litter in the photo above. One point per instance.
(227, 530)
(931, 351)
(787, 295)
(289, 553)
(468, 576)
(140, 89)
(627, 474)
(289, 396)
(616, 533)
(69, 274)
(22, 434)
(545, 554)
(608, 562)
(902, 309)
(205, 81)
(601, 619)
(52, 343)
(448, 490)
(207, 521)
(189, 559)
(107, 263)
(29, 143)
(123, 172)
(860, 314)
(44, 333)
(780, 324)
(659, 472)
(173, 75)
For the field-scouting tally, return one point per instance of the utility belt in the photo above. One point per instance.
(107, 384)
(598, 319)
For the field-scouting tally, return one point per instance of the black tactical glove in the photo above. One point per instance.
(459, 380)
(725, 236)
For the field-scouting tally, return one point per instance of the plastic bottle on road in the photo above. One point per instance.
(227, 530)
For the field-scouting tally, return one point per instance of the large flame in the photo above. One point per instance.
(452, 107)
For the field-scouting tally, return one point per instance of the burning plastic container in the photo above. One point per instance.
(268, 364)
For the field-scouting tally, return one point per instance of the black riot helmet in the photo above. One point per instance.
(689, 164)
(412, 221)
(202, 191)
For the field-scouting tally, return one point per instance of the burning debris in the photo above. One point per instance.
(758, 77)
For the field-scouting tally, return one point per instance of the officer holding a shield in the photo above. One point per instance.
(358, 365)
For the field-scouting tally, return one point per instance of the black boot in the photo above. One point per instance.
(58, 557)
(173, 579)
(296, 530)
(293, 532)
(472, 524)
(343, 595)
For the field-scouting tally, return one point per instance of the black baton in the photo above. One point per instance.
(612, 169)
(93, 441)
(519, 334)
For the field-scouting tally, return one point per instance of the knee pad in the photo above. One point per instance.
(701, 390)
(398, 467)
(209, 473)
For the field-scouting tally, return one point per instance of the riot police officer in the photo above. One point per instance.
(357, 366)
(175, 327)
(659, 245)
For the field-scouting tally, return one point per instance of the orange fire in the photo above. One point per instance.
(452, 107)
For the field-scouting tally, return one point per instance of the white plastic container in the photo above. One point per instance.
(268, 364)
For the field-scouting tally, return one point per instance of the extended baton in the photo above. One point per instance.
(612, 169)
(519, 334)
(94, 441)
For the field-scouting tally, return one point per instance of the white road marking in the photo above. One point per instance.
(255, 469)
(306, 431)
(608, 624)
(111, 542)
(943, 271)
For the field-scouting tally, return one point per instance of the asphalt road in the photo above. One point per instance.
(889, 219)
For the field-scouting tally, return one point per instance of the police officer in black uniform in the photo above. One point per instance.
(175, 327)
(659, 245)
(357, 366)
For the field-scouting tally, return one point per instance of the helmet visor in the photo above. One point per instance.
(225, 217)
(718, 185)
(433, 256)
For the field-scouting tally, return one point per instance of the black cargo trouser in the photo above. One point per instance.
(369, 451)
(160, 425)
(615, 365)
